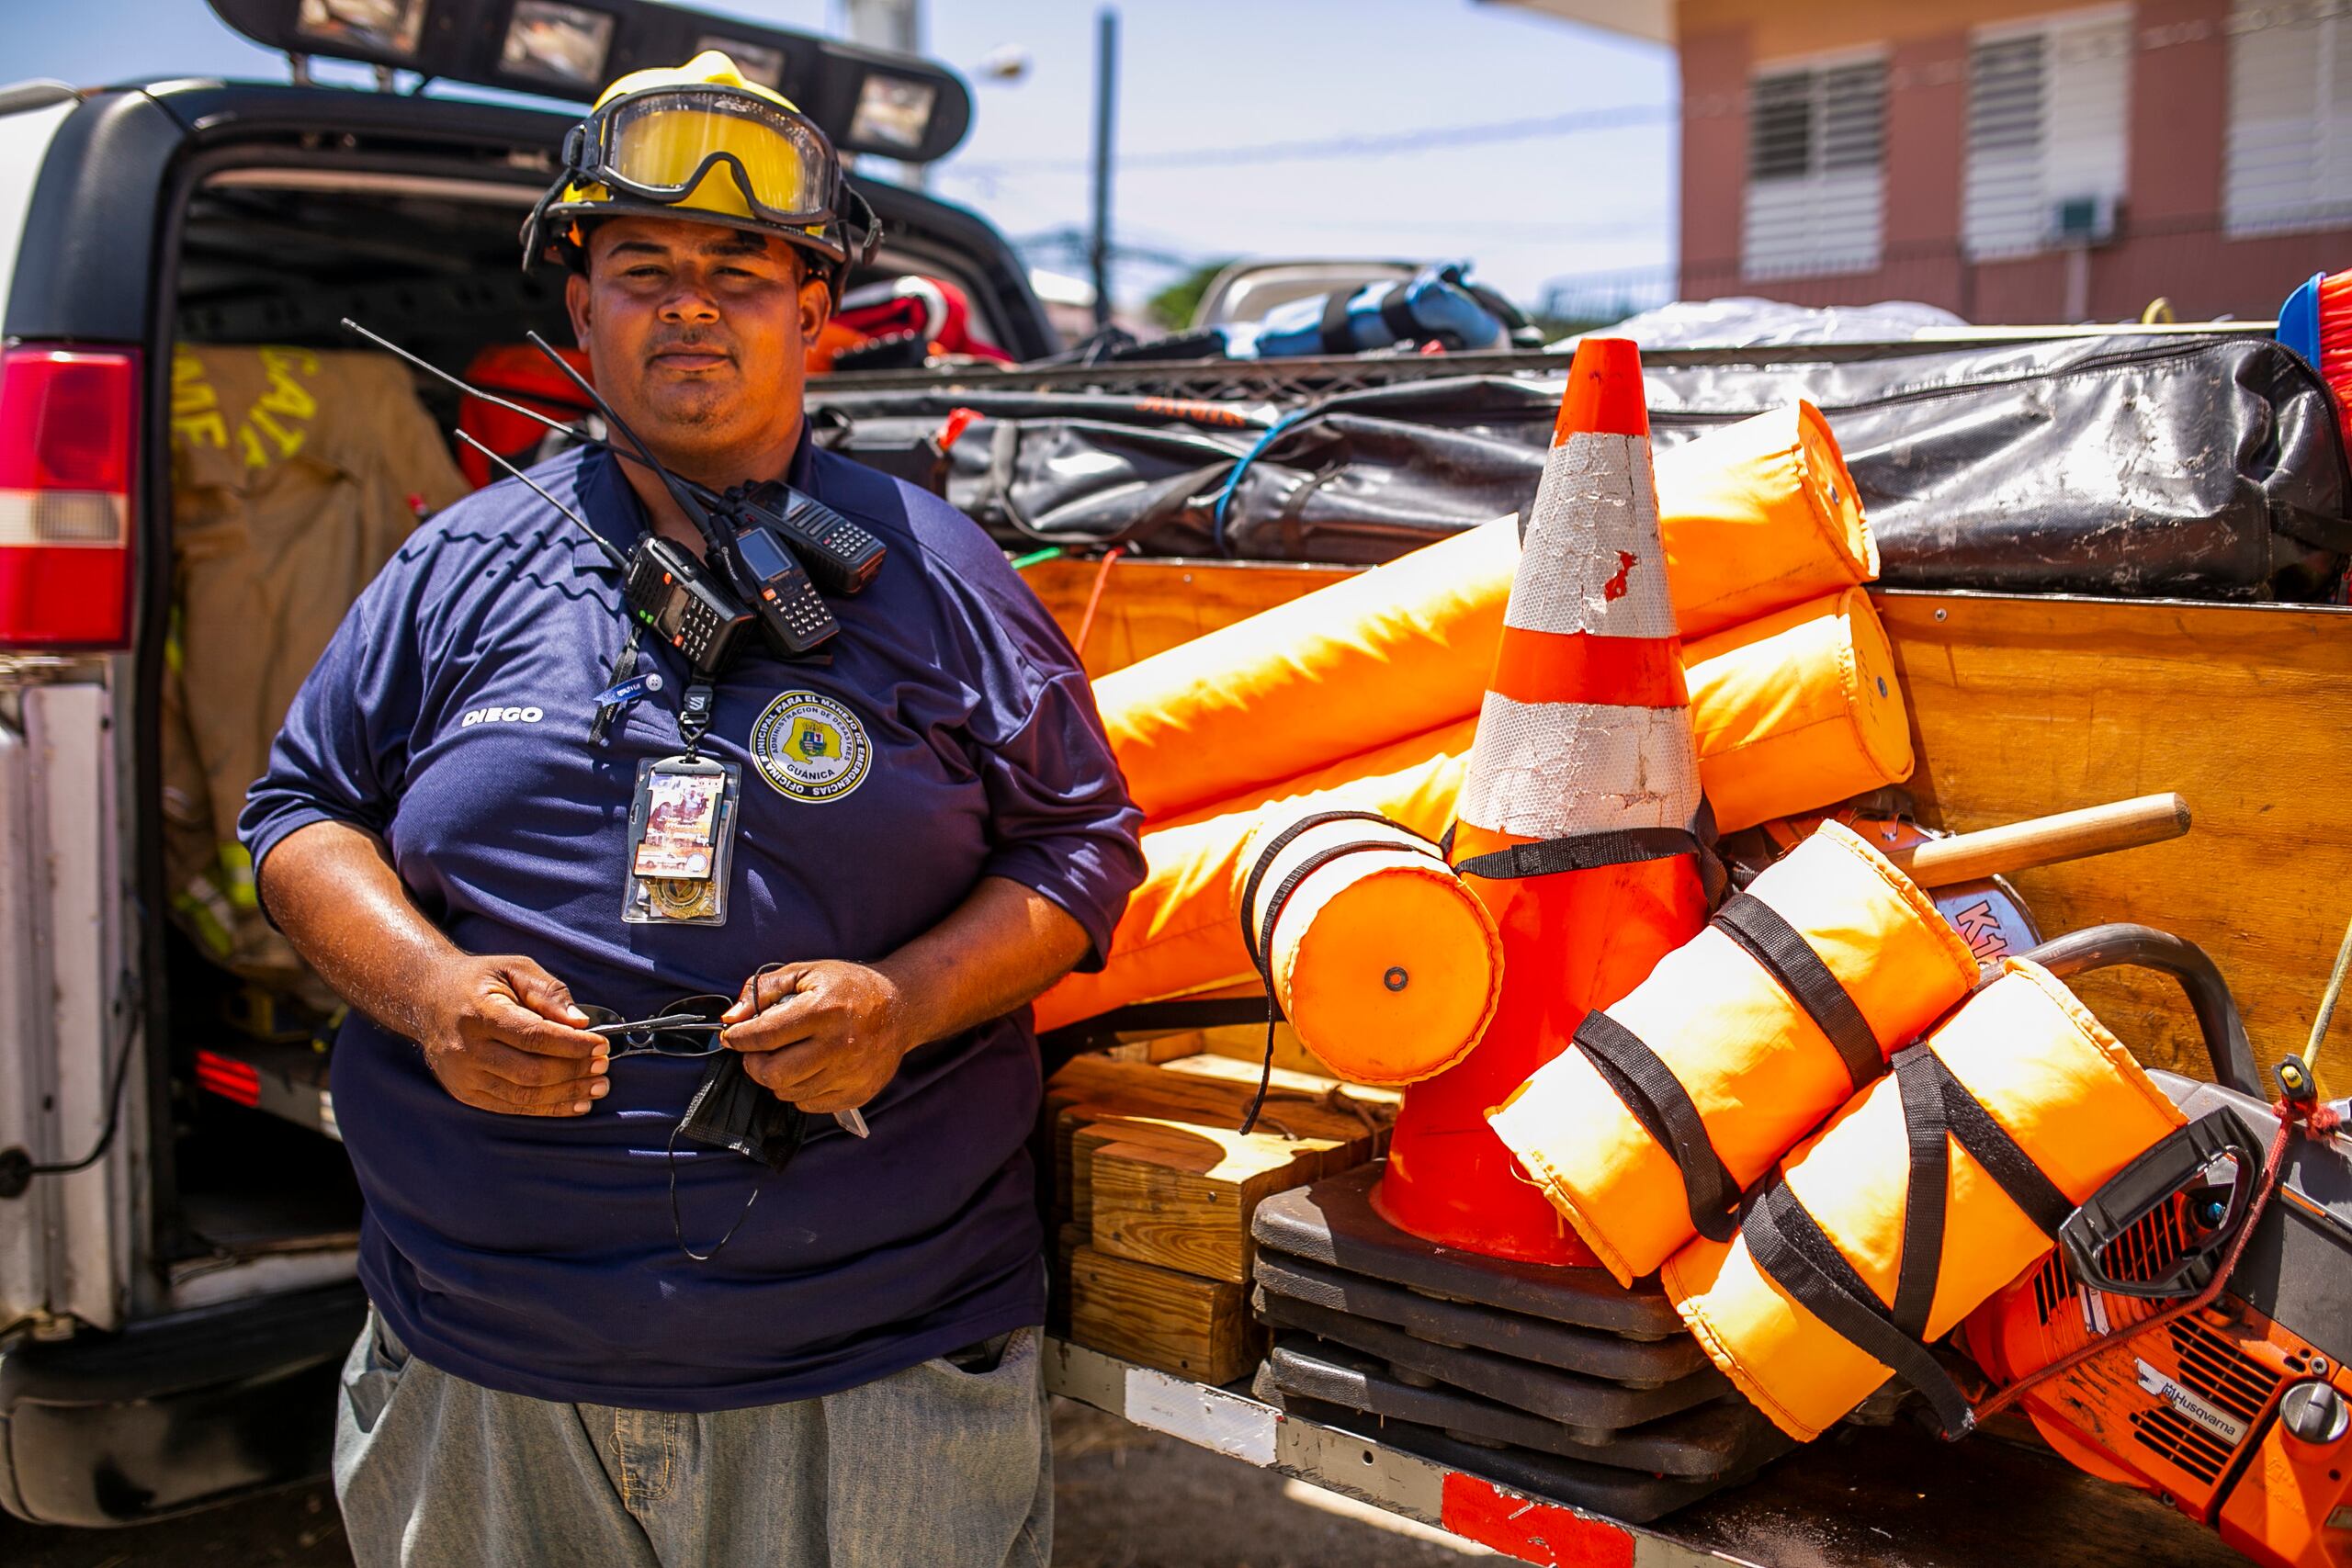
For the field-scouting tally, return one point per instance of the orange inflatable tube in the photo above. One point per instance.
(1791, 713)
(1757, 517)
(1760, 515)
(2040, 1105)
(1180, 935)
(1385, 965)
(1798, 709)
(1760, 1056)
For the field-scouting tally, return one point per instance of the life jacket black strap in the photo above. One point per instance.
(1972, 1127)
(1792, 1249)
(1782, 950)
(1927, 1191)
(1663, 1107)
(1337, 336)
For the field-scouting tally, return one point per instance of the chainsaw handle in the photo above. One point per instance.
(2144, 947)
(2131, 1195)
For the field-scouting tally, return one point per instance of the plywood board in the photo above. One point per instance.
(2022, 706)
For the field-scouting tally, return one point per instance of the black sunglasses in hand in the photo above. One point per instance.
(689, 1027)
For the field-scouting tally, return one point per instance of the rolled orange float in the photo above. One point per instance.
(1757, 517)
(1179, 934)
(1790, 715)
(1387, 967)
(1798, 709)
(1574, 824)
(2024, 1104)
(1760, 515)
(1765, 1023)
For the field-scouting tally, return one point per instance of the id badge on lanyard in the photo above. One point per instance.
(681, 842)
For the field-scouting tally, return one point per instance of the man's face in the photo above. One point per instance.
(696, 332)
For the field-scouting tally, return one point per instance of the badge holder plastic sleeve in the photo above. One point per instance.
(679, 901)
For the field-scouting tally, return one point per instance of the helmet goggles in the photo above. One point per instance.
(664, 144)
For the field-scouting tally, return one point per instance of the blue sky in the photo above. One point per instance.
(1198, 75)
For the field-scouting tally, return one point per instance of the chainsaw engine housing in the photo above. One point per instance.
(2240, 1416)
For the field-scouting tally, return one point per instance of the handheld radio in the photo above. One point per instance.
(750, 577)
(793, 617)
(840, 555)
(663, 586)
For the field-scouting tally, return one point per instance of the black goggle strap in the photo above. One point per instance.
(1257, 937)
(1797, 1254)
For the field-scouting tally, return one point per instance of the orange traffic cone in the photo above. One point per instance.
(1575, 820)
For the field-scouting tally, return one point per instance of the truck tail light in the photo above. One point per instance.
(69, 428)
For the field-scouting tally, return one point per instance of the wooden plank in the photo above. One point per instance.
(1183, 1197)
(2023, 707)
(1178, 1323)
(1318, 1081)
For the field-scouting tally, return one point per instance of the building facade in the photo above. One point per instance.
(2007, 159)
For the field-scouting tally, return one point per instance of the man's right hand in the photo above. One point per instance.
(502, 1034)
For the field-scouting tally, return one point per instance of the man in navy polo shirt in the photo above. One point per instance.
(930, 830)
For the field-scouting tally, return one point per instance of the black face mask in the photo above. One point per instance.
(729, 1110)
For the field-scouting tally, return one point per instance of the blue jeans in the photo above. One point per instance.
(937, 1465)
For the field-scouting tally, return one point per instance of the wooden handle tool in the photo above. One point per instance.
(2045, 840)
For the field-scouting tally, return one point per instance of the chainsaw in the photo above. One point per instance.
(2235, 1412)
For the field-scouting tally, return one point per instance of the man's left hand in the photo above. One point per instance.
(826, 1036)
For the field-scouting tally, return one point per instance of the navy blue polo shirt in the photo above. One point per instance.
(450, 716)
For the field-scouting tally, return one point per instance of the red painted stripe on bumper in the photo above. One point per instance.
(1543, 1533)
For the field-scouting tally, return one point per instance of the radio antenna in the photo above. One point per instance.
(611, 552)
(681, 490)
(468, 389)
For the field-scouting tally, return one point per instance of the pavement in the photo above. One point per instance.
(1124, 1498)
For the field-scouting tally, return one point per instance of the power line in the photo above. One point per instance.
(1425, 139)
(1900, 79)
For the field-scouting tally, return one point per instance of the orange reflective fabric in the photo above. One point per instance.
(1385, 963)
(1757, 517)
(1798, 709)
(2058, 1083)
(1759, 1071)
(1180, 933)
(1797, 670)
(1400, 650)
(1749, 528)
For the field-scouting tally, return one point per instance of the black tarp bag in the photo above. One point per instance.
(2206, 467)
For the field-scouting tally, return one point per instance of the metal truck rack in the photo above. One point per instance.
(1862, 1497)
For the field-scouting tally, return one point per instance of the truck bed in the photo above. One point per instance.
(1862, 1497)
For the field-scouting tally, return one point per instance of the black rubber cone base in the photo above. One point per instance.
(1626, 1495)
(1333, 1223)
(1592, 1406)
(1708, 1443)
(1638, 1363)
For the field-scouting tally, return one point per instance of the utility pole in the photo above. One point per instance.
(1106, 73)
